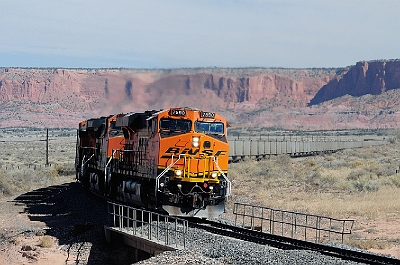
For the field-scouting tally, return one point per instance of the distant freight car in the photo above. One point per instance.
(175, 160)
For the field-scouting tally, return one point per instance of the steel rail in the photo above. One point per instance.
(286, 243)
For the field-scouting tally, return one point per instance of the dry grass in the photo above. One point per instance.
(359, 184)
(23, 159)
(370, 205)
(348, 183)
(369, 243)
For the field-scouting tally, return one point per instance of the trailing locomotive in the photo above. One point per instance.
(174, 161)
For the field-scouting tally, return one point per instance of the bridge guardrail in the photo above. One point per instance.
(153, 226)
(297, 225)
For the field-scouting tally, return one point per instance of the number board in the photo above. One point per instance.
(178, 112)
(205, 114)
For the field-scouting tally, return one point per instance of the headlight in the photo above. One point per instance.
(214, 175)
(195, 141)
(178, 172)
(179, 186)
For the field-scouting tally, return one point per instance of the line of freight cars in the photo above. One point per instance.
(240, 149)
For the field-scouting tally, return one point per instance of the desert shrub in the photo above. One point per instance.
(6, 187)
(393, 180)
(329, 158)
(384, 167)
(263, 169)
(350, 153)
(51, 173)
(344, 185)
(240, 169)
(367, 185)
(385, 171)
(357, 174)
(24, 179)
(333, 164)
(372, 186)
(310, 163)
(356, 163)
(317, 180)
(283, 160)
(47, 242)
(65, 169)
(328, 181)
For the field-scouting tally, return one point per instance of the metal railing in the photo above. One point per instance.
(302, 226)
(170, 231)
(132, 160)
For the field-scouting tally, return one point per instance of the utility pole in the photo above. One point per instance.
(47, 147)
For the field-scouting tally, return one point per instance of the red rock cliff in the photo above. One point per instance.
(38, 97)
(364, 78)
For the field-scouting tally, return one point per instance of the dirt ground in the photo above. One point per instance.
(385, 232)
(61, 224)
(74, 220)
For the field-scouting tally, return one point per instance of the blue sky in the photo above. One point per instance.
(187, 33)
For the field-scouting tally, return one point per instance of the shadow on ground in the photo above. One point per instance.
(76, 218)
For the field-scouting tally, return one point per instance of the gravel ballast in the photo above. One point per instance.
(206, 248)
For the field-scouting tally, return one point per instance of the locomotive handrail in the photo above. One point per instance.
(215, 160)
(87, 147)
(85, 162)
(108, 162)
(165, 171)
(229, 184)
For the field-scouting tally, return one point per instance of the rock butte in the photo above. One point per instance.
(365, 95)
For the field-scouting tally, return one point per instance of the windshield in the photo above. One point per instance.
(209, 127)
(175, 125)
(115, 130)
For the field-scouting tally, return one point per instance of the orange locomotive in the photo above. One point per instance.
(172, 160)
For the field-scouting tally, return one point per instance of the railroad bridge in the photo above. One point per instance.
(147, 232)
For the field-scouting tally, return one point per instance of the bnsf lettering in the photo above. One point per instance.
(190, 151)
(173, 150)
(207, 152)
(193, 151)
(220, 153)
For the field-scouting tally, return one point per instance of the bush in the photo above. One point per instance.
(47, 242)
(357, 174)
(65, 169)
(368, 185)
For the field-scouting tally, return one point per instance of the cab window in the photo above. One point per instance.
(115, 130)
(209, 127)
(173, 125)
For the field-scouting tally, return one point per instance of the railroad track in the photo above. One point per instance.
(287, 243)
(290, 243)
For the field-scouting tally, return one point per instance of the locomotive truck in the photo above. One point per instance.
(173, 161)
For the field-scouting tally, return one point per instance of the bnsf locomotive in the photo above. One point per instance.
(174, 161)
